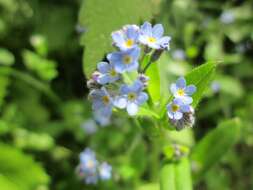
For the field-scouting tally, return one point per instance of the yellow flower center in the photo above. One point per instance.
(113, 73)
(180, 92)
(131, 96)
(151, 39)
(127, 59)
(175, 107)
(129, 43)
(106, 100)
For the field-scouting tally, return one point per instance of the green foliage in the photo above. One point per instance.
(215, 145)
(6, 57)
(201, 78)
(154, 82)
(44, 68)
(20, 169)
(176, 176)
(100, 18)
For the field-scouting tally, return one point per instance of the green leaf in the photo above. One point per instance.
(6, 57)
(149, 186)
(20, 169)
(154, 82)
(214, 145)
(100, 18)
(200, 77)
(44, 68)
(5, 183)
(176, 175)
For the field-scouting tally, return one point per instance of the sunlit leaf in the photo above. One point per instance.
(99, 18)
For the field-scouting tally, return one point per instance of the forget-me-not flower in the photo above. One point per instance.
(101, 119)
(101, 101)
(105, 171)
(180, 90)
(227, 17)
(107, 73)
(89, 126)
(176, 109)
(88, 166)
(127, 37)
(125, 60)
(153, 36)
(131, 97)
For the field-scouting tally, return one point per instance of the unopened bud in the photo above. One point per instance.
(187, 120)
(144, 79)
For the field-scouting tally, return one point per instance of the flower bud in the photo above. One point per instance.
(144, 79)
(187, 120)
(92, 83)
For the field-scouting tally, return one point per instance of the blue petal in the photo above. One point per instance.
(114, 57)
(170, 115)
(181, 82)
(187, 99)
(190, 89)
(118, 38)
(157, 31)
(146, 29)
(137, 86)
(178, 115)
(135, 52)
(120, 102)
(120, 67)
(133, 66)
(132, 108)
(164, 42)
(132, 31)
(143, 39)
(143, 97)
(185, 108)
(178, 101)
(103, 79)
(103, 67)
(124, 89)
(173, 88)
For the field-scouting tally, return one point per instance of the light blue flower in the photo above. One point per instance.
(227, 17)
(89, 126)
(88, 166)
(131, 97)
(105, 171)
(215, 86)
(153, 36)
(178, 54)
(101, 119)
(107, 73)
(176, 109)
(126, 38)
(180, 90)
(101, 101)
(125, 60)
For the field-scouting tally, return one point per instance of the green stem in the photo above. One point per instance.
(147, 66)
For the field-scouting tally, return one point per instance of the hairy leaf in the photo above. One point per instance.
(99, 18)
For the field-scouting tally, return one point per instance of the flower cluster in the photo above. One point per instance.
(108, 89)
(90, 170)
(180, 111)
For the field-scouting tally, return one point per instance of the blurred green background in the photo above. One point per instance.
(48, 48)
